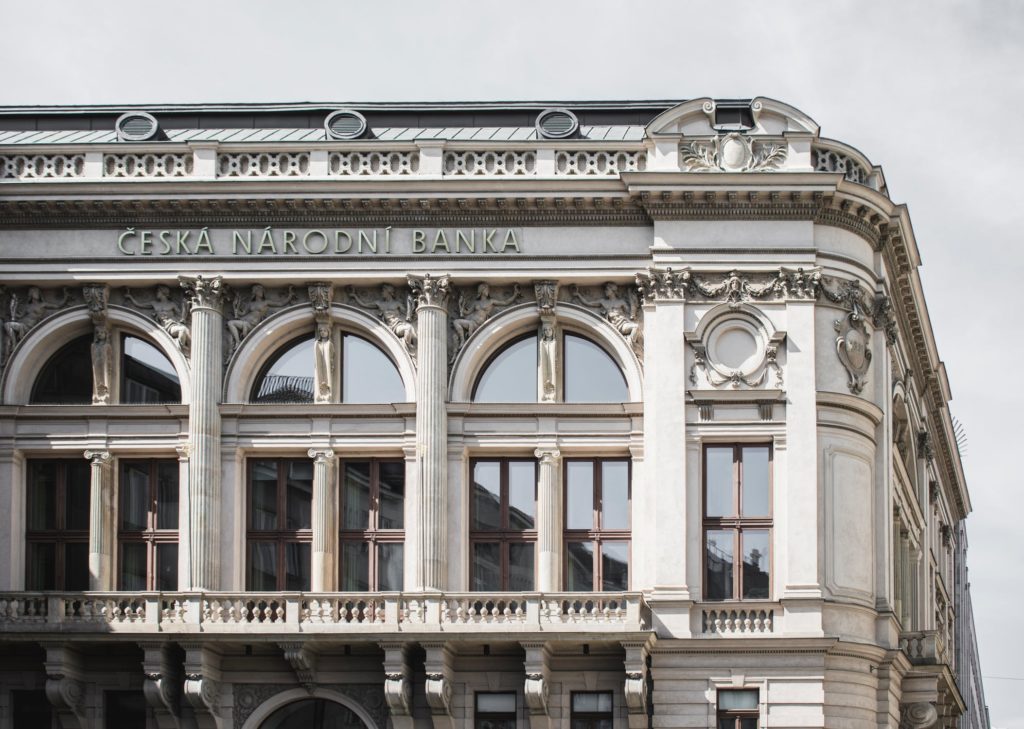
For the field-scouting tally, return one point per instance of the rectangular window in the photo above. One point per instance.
(124, 709)
(148, 534)
(57, 525)
(591, 710)
(737, 521)
(372, 525)
(495, 711)
(503, 524)
(597, 528)
(280, 532)
(32, 709)
(737, 709)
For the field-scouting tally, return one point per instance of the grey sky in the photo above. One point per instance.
(931, 90)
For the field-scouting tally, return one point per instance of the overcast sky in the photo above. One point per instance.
(930, 90)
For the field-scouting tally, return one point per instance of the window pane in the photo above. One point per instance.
(31, 709)
(264, 495)
(367, 374)
(615, 495)
(749, 722)
(737, 700)
(755, 564)
(496, 703)
(486, 566)
(520, 566)
(487, 495)
(580, 568)
(42, 495)
(124, 709)
(718, 575)
(522, 494)
(615, 566)
(134, 497)
(262, 566)
(42, 566)
(148, 375)
(591, 375)
(167, 495)
(355, 566)
(299, 495)
(755, 481)
(719, 474)
(297, 563)
(511, 376)
(66, 379)
(390, 567)
(579, 489)
(392, 495)
(592, 702)
(167, 566)
(76, 516)
(355, 505)
(76, 566)
(289, 378)
(133, 566)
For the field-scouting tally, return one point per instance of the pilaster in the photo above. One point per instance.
(549, 519)
(184, 532)
(325, 529)
(204, 430)
(102, 521)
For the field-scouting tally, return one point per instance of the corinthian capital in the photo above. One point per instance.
(204, 292)
(430, 291)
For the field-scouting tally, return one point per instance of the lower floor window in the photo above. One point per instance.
(57, 525)
(495, 711)
(148, 532)
(738, 709)
(124, 709)
(32, 709)
(591, 710)
(280, 533)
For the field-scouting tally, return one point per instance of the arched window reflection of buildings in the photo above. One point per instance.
(313, 714)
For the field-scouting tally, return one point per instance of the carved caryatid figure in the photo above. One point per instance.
(168, 315)
(396, 314)
(474, 313)
(102, 366)
(548, 362)
(620, 313)
(23, 318)
(251, 311)
(323, 362)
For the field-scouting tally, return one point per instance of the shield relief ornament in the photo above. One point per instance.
(852, 346)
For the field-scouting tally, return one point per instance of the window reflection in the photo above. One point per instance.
(147, 376)
(66, 379)
(289, 377)
(591, 375)
(511, 376)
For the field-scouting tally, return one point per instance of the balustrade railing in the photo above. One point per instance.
(924, 647)
(738, 620)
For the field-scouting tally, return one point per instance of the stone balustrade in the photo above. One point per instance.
(924, 647)
(739, 620)
(292, 612)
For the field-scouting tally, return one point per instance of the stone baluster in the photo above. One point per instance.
(431, 429)
(549, 520)
(325, 530)
(204, 474)
(102, 524)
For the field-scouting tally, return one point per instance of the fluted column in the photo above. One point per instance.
(102, 524)
(204, 479)
(325, 531)
(431, 429)
(549, 520)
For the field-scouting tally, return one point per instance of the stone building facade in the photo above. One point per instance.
(469, 415)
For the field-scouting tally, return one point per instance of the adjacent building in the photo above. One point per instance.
(383, 416)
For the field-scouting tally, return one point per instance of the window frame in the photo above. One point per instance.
(504, 536)
(736, 715)
(597, 534)
(122, 375)
(151, 536)
(501, 349)
(737, 524)
(512, 716)
(564, 373)
(590, 716)
(373, 534)
(275, 356)
(60, 536)
(280, 537)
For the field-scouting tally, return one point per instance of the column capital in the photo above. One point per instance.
(99, 457)
(430, 291)
(184, 451)
(548, 456)
(321, 455)
(204, 292)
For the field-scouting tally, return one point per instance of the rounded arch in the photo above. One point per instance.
(697, 113)
(275, 702)
(32, 353)
(515, 321)
(280, 328)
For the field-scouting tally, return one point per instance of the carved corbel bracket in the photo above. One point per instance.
(65, 689)
(398, 683)
(546, 294)
(537, 686)
(921, 715)
(202, 687)
(203, 693)
(438, 685)
(635, 688)
(303, 661)
(163, 684)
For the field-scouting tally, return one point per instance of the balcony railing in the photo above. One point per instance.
(221, 612)
(924, 647)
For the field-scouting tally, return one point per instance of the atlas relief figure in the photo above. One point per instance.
(168, 315)
(250, 312)
(396, 315)
(26, 317)
(473, 314)
(619, 312)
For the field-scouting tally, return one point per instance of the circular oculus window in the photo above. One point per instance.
(557, 123)
(345, 124)
(736, 345)
(136, 126)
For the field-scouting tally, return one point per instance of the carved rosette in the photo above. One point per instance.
(733, 153)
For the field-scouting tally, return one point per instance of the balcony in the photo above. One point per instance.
(287, 613)
(924, 647)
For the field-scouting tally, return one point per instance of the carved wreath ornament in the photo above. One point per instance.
(732, 153)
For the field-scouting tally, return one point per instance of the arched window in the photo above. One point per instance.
(367, 374)
(66, 378)
(589, 374)
(147, 376)
(313, 714)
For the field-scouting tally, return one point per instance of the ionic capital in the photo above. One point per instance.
(184, 451)
(548, 456)
(321, 455)
(99, 458)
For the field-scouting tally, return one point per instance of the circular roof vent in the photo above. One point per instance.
(557, 123)
(345, 124)
(136, 126)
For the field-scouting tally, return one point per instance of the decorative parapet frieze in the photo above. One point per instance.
(734, 287)
(147, 165)
(596, 163)
(263, 164)
(376, 164)
(41, 166)
(397, 313)
(824, 159)
(171, 315)
(732, 153)
(490, 163)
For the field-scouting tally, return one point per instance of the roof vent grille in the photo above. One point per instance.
(136, 126)
(557, 123)
(345, 124)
